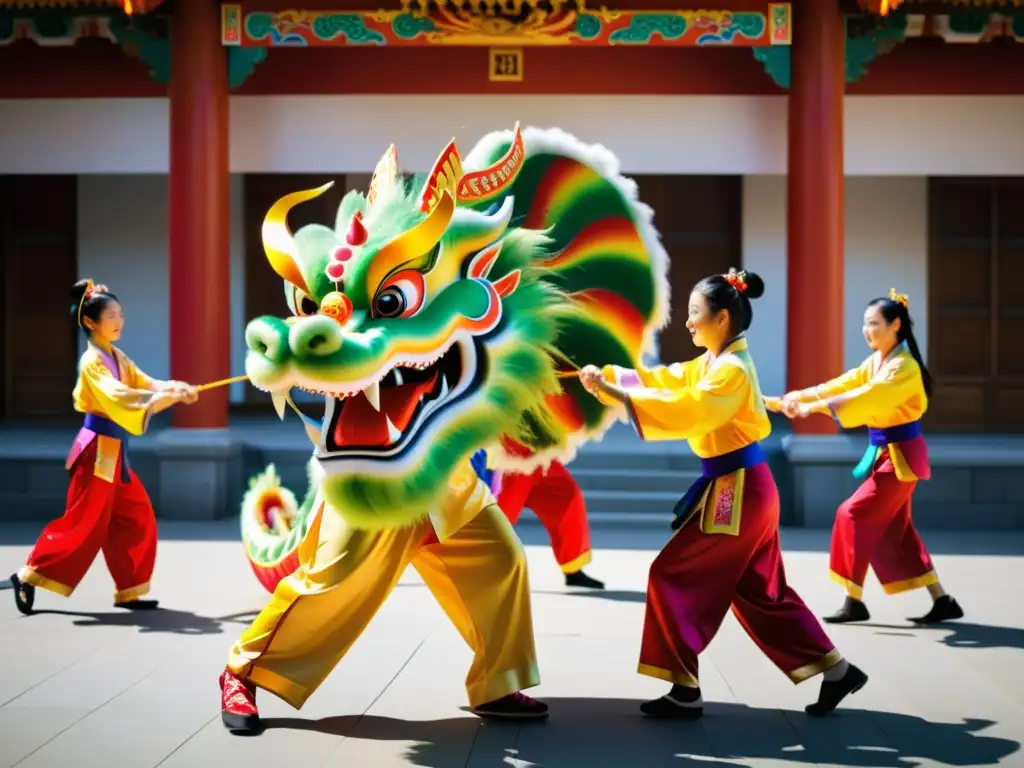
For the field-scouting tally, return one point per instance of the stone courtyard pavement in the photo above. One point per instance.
(84, 686)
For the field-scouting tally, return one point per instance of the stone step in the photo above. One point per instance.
(631, 520)
(617, 479)
(655, 460)
(632, 503)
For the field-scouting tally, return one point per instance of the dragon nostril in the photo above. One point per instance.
(315, 337)
(259, 347)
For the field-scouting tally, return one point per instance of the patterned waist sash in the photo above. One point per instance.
(711, 469)
(101, 425)
(879, 438)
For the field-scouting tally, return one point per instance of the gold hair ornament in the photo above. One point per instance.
(899, 298)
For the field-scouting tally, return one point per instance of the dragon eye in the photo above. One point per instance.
(401, 296)
(390, 302)
(301, 304)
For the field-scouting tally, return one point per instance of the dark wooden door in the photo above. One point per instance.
(38, 230)
(700, 219)
(976, 304)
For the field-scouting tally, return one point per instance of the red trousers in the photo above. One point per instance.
(698, 576)
(556, 499)
(115, 518)
(873, 528)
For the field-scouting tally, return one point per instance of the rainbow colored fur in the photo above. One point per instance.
(435, 316)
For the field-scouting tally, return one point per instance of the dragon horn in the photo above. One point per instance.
(384, 175)
(277, 237)
(444, 176)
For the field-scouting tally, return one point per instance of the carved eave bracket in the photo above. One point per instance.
(242, 63)
(866, 40)
(147, 42)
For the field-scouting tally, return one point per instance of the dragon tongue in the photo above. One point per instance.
(362, 422)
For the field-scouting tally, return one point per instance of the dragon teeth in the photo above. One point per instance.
(372, 393)
(394, 433)
(443, 393)
(280, 402)
(399, 381)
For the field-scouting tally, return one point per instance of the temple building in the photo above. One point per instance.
(838, 148)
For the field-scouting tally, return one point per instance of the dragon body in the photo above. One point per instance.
(446, 313)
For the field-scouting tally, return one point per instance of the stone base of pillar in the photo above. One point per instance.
(970, 482)
(201, 474)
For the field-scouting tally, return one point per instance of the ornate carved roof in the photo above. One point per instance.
(884, 6)
(129, 6)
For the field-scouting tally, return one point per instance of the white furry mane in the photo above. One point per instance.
(599, 158)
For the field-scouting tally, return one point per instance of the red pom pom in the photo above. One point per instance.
(341, 254)
(335, 270)
(357, 233)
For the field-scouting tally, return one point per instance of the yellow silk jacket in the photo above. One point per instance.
(715, 404)
(879, 393)
(114, 388)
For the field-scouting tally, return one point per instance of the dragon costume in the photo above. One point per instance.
(437, 316)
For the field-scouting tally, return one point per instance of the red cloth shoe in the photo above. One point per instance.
(238, 704)
(515, 706)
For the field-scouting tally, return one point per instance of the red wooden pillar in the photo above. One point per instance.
(815, 201)
(200, 205)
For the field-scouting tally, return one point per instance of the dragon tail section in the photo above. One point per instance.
(605, 255)
(273, 525)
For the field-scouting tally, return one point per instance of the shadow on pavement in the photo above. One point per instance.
(610, 733)
(166, 620)
(964, 634)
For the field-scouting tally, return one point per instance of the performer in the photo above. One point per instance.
(888, 393)
(726, 548)
(555, 497)
(107, 507)
(438, 315)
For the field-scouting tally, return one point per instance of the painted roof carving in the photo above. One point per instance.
(129, 6)
(883, 7)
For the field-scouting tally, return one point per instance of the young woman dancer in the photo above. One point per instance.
(107, 507)
(725, 552)
(888, 393)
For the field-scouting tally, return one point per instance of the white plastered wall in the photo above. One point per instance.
(886, 246)
(892, 143)
(123, 241)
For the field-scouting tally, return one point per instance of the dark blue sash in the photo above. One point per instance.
(717, 466)
(479, 464)
(898, 434)
(879, 438)
(101, 425)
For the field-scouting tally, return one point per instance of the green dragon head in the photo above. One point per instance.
(434, 319)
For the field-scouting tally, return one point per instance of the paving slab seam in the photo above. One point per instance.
(185, 741)
(87, 714)
(376, 698)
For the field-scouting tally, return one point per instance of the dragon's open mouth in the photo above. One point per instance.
(386, 417)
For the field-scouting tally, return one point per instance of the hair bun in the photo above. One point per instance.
(755, 285)
(77, 292)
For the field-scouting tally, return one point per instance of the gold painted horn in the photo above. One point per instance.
(277, 237)
(385, 174)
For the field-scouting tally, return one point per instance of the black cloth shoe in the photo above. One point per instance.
(139, 605)
(852, 610)
(681, 703)
(580, 579)
(834, 691)
(24, 595)
(515, 706)
(946, 608)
